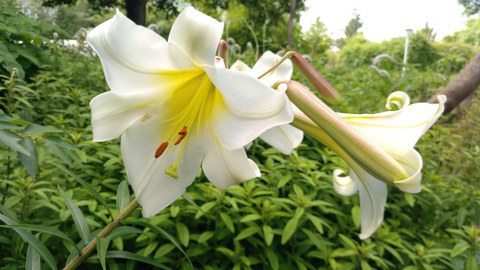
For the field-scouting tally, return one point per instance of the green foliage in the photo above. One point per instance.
(58, 189)
(471, 6)
(353, 26)
(23, 42)
(469, 35)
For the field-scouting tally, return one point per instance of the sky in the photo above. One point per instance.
(385, 19)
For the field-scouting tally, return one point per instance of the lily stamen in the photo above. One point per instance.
(172, 171)
(183, 134)
(161, 149)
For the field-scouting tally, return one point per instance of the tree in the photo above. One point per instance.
(353, 26)
(316, 39)
(462, 86)
(136, 9)
(472, 7)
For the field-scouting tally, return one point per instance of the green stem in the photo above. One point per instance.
(287, 55)
(83, 255)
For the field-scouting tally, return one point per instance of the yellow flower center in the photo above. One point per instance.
(187, 110)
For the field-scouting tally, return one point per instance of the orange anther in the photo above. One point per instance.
(161, 149)
(182, 134)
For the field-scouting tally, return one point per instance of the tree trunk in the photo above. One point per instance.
(461, 86)
(137, 11)
(293, 4)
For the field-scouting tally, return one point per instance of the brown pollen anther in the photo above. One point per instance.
(161, 149)
(183, 134)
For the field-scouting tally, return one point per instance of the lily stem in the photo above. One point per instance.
(87, 250)
(286, 56)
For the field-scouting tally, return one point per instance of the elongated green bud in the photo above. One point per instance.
(324, 88)
(222, 51)
(368, 155)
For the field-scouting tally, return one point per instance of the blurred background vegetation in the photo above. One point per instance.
(53, 179)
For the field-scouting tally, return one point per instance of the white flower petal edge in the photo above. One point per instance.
(175, 107)
(128, 68)
(343, 185)
(286, 137)
(228, 167)
(251, 105)
(404, 127)
(197, 35)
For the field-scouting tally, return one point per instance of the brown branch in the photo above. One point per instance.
(462, 86)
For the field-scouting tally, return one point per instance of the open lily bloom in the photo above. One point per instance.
(285, 137)
(177, 108)
(397, 133)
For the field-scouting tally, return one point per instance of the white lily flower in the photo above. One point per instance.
(177, 108)
(383, 140)
(284, 138)
(397, 133)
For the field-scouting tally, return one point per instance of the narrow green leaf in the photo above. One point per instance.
(247, 232)
(123, 196)
(34, 129)
(292, 225)
(410, 199)
(317, 222)
(163, 250)
(162, 232)
(33, 241)
(123, 230)
(102, 247)
(86, 185)
(43, 229)
(268, 234)
(471, 262)
(459, 249)
(33, 261)
(12, 140)
(183, 233)
(228, 222)
(348, 242)
(251, 217)
(356, 215)
(30, 162)
(205, 236)
(272, 259)
(78, 217)
(117, 254)
(192, 202)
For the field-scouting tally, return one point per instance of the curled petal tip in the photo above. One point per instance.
(399, 99)
(343, 185)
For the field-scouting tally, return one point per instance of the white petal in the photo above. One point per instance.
(133, 55)
(240, 66)
(154, 189)
(225, 167)
(373, 197)
(412, 162)
(113, 113)
(284, 138)
(197, 35)
(397, 131)
(399, 98)
(249, 107)
(282, 73)
(343, 185)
